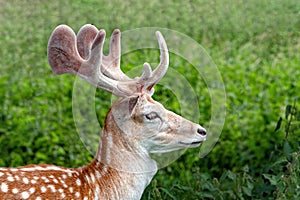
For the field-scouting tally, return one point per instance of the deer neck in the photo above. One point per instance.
(120, 168)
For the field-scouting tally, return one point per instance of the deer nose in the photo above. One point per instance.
(201, 131)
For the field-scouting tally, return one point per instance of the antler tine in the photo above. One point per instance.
(85, 39)
(162, 68)
(111, 63)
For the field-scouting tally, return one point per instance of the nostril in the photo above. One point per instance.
(201, 131)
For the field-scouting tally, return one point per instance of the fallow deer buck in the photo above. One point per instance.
(135, 126)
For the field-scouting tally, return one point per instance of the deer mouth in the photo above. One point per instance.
(191, 144)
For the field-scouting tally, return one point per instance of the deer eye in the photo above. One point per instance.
(151, 116)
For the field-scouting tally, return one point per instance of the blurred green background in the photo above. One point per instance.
(256, 46)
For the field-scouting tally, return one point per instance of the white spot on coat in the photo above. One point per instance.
(25, 195)
(15, 190)
(31, 190)
(4, 187)
(25, 180)
(43, 189)
(78, 182)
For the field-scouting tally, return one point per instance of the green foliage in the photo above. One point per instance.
(255, 45)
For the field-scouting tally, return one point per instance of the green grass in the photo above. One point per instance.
(256, 46)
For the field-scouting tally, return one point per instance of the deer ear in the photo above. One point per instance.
(132, 103)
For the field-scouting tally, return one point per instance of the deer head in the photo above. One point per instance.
(136, 121)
